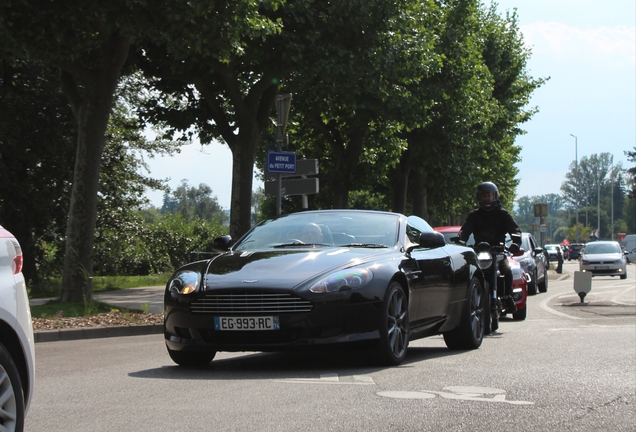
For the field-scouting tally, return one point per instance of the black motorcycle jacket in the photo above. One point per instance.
(490, 226)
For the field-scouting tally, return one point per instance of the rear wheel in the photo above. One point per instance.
(394, 327)
(191, 358)
(11, 394)
(470, 332)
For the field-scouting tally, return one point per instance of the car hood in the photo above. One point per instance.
(603, 257)
(284, 268)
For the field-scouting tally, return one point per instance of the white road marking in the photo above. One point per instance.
(458, 393)
(545, 307)
(330, 378)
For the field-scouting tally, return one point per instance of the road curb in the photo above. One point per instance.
(96, 332)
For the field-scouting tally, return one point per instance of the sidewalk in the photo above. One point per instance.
(132, 298)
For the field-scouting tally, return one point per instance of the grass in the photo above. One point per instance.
(52, 287)
(55, 308)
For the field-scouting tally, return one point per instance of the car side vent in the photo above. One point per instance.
(250, 304)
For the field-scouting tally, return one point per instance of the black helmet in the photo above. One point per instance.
(487, 195)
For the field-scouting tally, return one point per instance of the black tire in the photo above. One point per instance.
(191, 358)
(11, 394)
(521, 314)
(470, 333)
(394, 327)
(543, 286)
(624, 276)
(532, 285)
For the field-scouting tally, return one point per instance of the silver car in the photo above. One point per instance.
(604, 258)
(16, 337)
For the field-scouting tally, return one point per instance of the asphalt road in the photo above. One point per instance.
(567, 367)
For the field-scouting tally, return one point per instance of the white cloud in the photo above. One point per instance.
(616, 45)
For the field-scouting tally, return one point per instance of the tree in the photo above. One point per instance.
(121, 232)
(89, 42)
(90, 57)
(194, 203)
(218, 87)
(362, 64)
(36, 149)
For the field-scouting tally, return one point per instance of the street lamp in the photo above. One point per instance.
(612, 197)
(576, 174)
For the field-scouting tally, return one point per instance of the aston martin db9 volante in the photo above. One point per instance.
(323, 279)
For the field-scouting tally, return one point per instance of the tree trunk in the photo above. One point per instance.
(420, 194)
(399, 182)
(92, 111)
(347, 156)
(243, 156)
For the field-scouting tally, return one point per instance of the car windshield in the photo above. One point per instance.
(602, 248)
(330, 228)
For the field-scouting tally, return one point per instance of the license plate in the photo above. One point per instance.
(246, 323)
(601, 268)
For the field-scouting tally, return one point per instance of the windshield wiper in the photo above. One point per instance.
(365, 245)
(299, 244)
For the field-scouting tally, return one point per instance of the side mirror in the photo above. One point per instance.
(222, 243)
(429, 240)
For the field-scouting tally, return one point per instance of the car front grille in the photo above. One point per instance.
(250, 303)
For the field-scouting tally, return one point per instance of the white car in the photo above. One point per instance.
(16, 337)
(604, 258)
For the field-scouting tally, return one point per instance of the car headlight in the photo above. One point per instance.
(585, 262)
(342, 280)
(184, 282)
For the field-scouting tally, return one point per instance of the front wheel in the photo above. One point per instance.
(11, 394)
(470, 332)
(543, 286)
(394, 327)
(191, 359)
(521, 314)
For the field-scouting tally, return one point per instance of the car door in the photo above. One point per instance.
(432, 290)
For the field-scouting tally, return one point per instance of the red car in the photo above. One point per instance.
(519, 277)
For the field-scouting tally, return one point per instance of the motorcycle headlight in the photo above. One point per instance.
(485, 260)
(345, 279)
(184, 282)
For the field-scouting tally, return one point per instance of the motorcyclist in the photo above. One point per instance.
(490, 223)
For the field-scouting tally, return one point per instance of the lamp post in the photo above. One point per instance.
(612, 206)
(598, 203)
(576, 176)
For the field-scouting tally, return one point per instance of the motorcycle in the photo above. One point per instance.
(490, 256)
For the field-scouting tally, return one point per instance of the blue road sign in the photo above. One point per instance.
(281, 162)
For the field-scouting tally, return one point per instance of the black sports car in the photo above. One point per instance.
(321, 279)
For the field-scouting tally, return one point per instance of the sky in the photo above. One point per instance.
(587, 48)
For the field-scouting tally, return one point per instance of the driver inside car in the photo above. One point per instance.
(312, 234)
